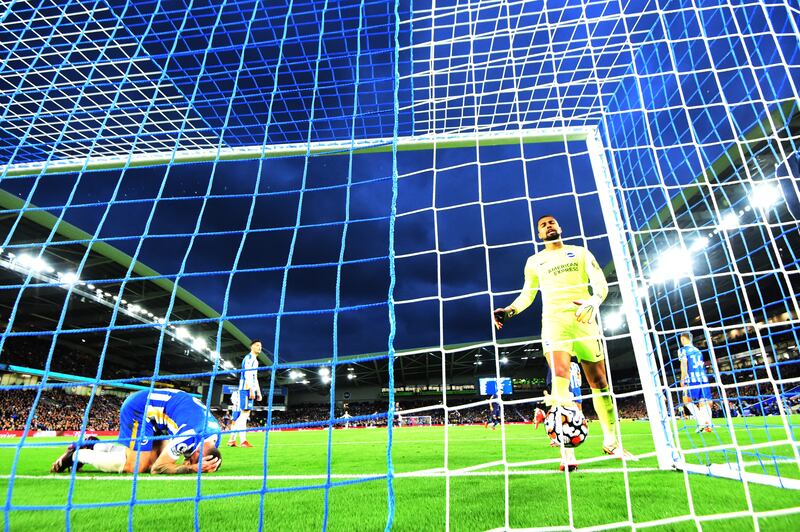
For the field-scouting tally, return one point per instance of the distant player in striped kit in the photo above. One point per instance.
(249, 391)
(697, 398)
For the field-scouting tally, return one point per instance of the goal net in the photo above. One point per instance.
(340, 178)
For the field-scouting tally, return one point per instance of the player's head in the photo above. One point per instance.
(548, 229)
(685, 338)
(255, 347)
(210, 451)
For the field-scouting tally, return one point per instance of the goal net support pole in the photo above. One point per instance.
(644, 353)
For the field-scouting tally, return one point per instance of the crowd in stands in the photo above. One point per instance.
(31, 352)
(364, 414)
(57, 410)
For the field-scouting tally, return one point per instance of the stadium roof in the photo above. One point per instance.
(134, 340)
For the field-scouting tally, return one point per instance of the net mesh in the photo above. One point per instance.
(452, 124)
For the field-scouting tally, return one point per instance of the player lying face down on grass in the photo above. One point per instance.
(161, 428)
(565, 274)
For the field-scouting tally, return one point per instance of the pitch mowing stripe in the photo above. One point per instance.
(440, 473)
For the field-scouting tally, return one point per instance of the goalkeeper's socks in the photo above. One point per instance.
(107, 461)
(561, 394)
(604, 406)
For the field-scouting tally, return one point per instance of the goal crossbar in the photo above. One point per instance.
(298, 149)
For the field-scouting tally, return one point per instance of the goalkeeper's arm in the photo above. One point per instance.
(166, 463)
(684, 372)
(523, 300)
(588, 308)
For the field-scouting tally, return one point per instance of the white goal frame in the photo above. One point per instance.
(663, 423)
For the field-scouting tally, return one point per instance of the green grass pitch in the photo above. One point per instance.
(537, 494)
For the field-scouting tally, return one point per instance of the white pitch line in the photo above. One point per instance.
(532, 438)
(425, 473)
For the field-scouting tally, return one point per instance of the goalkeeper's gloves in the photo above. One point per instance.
(587, 309)
(501, 315)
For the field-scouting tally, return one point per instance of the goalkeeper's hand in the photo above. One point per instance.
(587, 309)
(500, 315)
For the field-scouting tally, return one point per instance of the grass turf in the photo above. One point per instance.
(537, 495)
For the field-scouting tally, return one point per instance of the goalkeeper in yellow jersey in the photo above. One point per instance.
(564, 274)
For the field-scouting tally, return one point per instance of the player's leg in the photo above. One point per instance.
(690, 405)
(709, 416)
(702, 397)
(558, 360)
(576, 394)
(557, 340)
(703, 419)
(538, 417)
(595, 373)
(568, 460)
(233, 427)
(65, 461)
(147, 457)
(119, 457)
(245, 404)
(590, 354)
(243, 417)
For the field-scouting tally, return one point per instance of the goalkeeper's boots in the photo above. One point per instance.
(232, 443)
(617, 451)
(64, 461)
(246, 444)
(538, 418)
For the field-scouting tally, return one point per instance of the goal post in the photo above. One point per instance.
(643, 349)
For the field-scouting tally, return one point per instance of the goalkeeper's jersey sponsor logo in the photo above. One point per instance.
(563, 268)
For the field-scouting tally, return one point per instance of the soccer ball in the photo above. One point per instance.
(566, 426)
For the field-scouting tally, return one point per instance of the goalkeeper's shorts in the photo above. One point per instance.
(562, 332)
